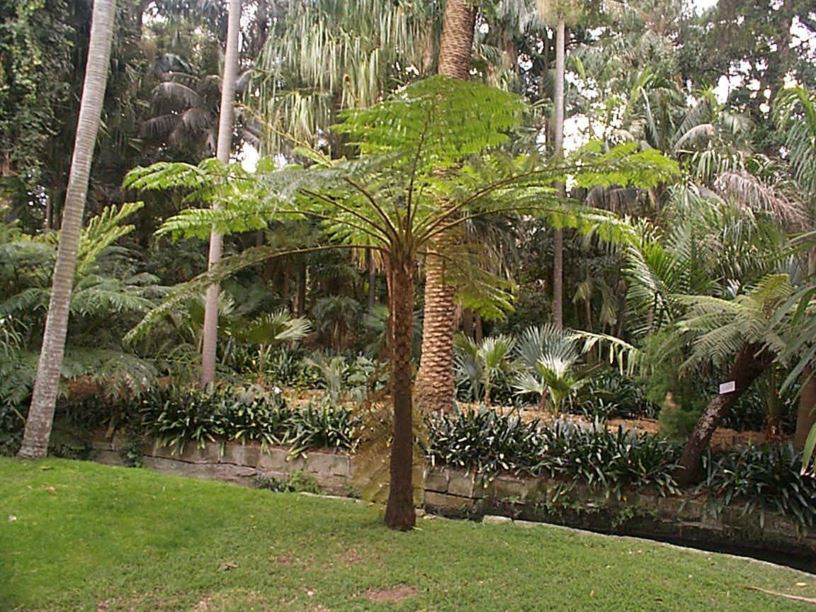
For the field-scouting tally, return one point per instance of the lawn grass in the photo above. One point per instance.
(76, 535)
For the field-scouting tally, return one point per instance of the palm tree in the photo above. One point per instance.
(481, 362)
(327, 56)
(435, 379)
(104, 305)
(559, 12)
(795, 114)
(184, 108)
(547, 358)
(41, 413)
(225, 127)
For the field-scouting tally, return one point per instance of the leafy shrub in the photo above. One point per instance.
(12, 423)
(676, 422)
(296, 482)
(177, 416)
(610, 395)
(764, 478)
(488, 442)
(320, 426)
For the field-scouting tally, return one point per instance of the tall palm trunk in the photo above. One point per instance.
(435, 383)
(225, 124)
(399, 511)
(46, 385)
(558, 137)
(748, 366)
(806, 413)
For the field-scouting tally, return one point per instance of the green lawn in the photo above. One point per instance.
(77, 535)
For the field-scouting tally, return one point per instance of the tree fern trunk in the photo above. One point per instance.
(225, 123)
(41, 413)
(400, 512)
(747, 368)
(435, 384)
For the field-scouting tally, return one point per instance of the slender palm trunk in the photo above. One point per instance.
(225, 125)
(435, 383)
(806, 413)
(400, 512)
(748, 367)
(41, 413)
(558, 137)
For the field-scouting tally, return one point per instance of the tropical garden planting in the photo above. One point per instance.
(558, 240)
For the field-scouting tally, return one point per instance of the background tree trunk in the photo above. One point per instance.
(435, 383)
(400, 512)
(558, 138)
(747, 368)
(225, 127)
(806, 414)
(46, 386)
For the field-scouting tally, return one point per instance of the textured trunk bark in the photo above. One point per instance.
(41, 413)
(456, 44)
(435, 384)
(225, 126)
(372, 280)
(300, 302)
(467, 322)
(400, 512)
(806, 414)
(435, 381)
(747, 368)
(558, 247)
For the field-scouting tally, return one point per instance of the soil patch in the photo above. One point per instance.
(392, 595)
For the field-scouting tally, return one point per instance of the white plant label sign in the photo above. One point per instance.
(728, 387)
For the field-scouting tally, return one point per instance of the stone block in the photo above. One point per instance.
(107, 457)
(241, 454)
(461, 483)
(449, 505)
(437, 479)
(510, 487)
(492, 519)
(328, 464)
(226, 472)
(275, 459)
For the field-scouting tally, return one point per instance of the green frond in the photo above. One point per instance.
(101, 232)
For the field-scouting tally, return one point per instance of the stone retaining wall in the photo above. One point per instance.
(244, 464)
(456, 493)
(685, 519)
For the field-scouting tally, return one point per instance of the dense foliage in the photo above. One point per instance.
(488, 443)
(755, 479)
(764, 478)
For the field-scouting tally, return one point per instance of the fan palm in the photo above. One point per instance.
(481, 362)
(548, 357)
